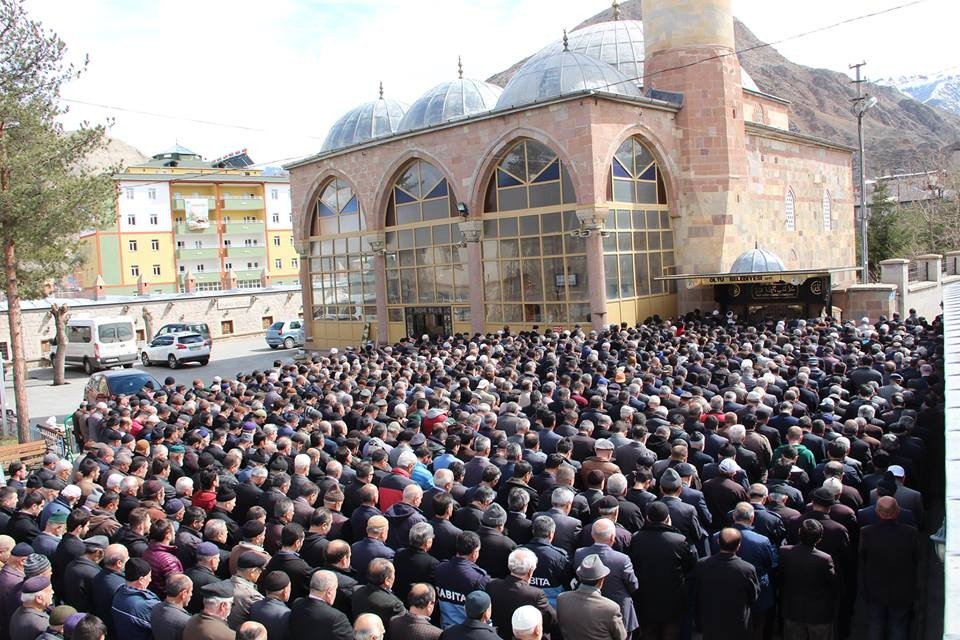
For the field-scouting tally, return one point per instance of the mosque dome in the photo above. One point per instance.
(548, 76)
(618, 43)
(450, 100)
(370, 120)
(757, 261)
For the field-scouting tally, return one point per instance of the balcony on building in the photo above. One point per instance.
(247, 228)
(186, 253)
(201, 277)
(179, 202)
(257, 251)
(248, 274)
(181, 228)
(244, 203)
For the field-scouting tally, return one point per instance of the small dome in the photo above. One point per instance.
(549, 76)
(448, 101)
(618, 43)
(757, 261)
(369, 120)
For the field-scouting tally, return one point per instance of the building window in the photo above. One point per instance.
(180, 244)
(278, 264)
(291, 239)
(198, 244)
(142, 334)
(337, 211)
(135, 270)
(128, 193)
(201, 267)
(276, 241)
(132, 245)
(181, 268)
(226, 327)
(156, 269)
(211, 286)
(154, 220)
(827, 211)
(639, 246)
(275, 218)
(228, 265)
(152, 193)
(132, 219)
(420, 195)
(289, 217)
(155, 245)
(295, 263)
(534, 263)
(790, 216)
(266, 321)
(226, 242)
(274, 194)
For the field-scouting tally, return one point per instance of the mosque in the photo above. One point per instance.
(630, 169)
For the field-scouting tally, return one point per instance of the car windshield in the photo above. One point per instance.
(130, 384)
(192, 339)
(116, 332)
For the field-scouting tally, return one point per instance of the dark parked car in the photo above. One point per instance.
(107, 385)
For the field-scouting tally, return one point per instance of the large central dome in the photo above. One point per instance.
(618, 43)
(549, 76)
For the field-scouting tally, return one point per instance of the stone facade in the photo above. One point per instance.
(725, 178)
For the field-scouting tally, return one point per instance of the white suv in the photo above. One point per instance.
(176, 349)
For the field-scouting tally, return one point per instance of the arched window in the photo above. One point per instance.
(425, 261)
(827, 211)
(635, 176)
(337, 211)
(530, 176)
(420, 194)
(789, 214)
(639, 246)
(341, 264)
(534, 266)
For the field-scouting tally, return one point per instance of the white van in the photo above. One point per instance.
(98, 343)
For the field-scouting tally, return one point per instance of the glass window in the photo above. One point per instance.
(420, 194)
(337, 210)
(529, 176)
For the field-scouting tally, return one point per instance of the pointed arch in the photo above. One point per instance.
(316, 188)
(394, 172)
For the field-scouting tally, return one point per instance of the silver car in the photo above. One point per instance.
(286, 333)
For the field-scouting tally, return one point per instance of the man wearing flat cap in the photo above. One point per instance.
(58, 617)
(477, 624)
(78, 578)
(605, 621)
(211, 622)
(249, 567)
(495, 547)
(31, 619)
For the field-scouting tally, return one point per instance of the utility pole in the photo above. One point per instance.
(860, 106)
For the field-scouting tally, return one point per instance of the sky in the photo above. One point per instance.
(222, 75)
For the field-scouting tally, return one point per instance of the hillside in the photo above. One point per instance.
(901, 134)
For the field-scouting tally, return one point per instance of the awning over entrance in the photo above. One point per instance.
(796, 276)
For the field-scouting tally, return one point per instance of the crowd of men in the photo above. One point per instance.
(675, 478)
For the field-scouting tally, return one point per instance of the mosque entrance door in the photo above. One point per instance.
(436, 322)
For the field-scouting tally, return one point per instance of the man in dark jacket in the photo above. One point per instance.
(372, 546)
(723, 493)
(554, 570)
(106, 583)
(414, 563)
(808, 582)
(476, 626)
(459, 576)
(168, 618)
(444, 532)
(514, 591)
(289, 561)
(660, 550)
(403, 515)
(888, 566)
(683, 516)
(568, 529)
(495, 547)
(23, 526)
(725, 587)
(272, 611)
(376, 596)
(70, 548)
(79, 575)
(315, 617)
(203, 573)
(415, 624)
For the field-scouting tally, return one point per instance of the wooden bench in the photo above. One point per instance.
(30, 453)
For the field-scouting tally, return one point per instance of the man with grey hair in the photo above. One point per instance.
(518, 525)
(527, 623)
(629, 515)
(315, 617)
(553, 571)
(211, 622)
(568, 529)
(414, 563)
(368, 626)
(473, 470)
(403, 515)
(515, 590)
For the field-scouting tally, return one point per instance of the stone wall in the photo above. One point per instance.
(242, 313)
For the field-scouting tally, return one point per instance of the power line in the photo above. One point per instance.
(763, 45)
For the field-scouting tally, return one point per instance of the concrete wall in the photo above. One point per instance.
(246, 310)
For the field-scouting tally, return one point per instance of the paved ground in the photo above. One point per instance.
(229, 358)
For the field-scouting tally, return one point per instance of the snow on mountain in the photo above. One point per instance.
(937, 90)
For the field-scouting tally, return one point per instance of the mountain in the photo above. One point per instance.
(114, 152)
(900, 134)
(936, 90)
